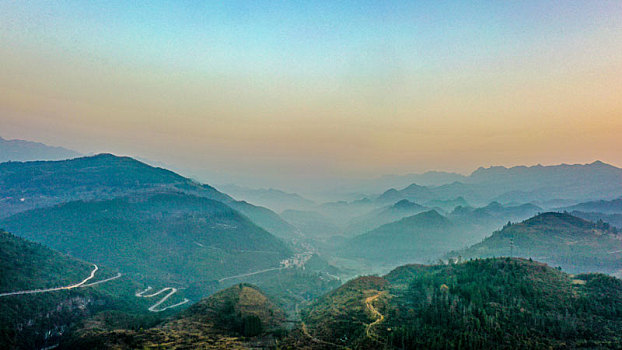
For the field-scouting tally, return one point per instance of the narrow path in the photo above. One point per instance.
(154, 307)
(77, 285)
(250, 274)
(379, 317)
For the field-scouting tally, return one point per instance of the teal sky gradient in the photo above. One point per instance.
(316, 88)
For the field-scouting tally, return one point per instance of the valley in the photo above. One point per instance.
(311, 175)
(167, 243)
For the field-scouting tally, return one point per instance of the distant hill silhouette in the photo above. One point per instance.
(521, 184)
(20, 150)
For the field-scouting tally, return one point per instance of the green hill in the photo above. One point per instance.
(239, 317)
(418, 238)
(159, 237)
(491, 303)
(558, 239)
(384, 215)
(40, 319)
(29, 185)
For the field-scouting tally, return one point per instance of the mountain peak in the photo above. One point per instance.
(405, 204)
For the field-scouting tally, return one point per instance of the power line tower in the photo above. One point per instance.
(512, 245)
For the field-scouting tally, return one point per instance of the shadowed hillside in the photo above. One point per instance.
(38, 319)
(162, 237)
(558, 239)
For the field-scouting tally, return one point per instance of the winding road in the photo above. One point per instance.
(154, 307)
(77, 285)
(369, 303)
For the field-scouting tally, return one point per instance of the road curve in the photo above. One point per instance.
(77, 285)
(154, 307)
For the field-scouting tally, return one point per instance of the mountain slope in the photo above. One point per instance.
(492, 303)
(416, 238)
(558, 239)
(20, 150)
(601, 206)
(162, 237)
(384, 215)
(28, 185)
(40, 319)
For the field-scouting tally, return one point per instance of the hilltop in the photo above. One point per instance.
(383, 215)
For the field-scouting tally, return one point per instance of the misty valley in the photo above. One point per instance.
(313, 175)
(108, 252)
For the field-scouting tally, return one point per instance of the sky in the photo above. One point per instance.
(286, 93)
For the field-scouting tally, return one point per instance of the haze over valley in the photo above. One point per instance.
(310, 175)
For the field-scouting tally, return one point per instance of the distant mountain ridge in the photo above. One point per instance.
(21, 150)
(521, 184)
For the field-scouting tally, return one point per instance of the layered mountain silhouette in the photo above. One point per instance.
(521, 184)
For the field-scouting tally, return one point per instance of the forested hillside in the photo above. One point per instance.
(489, 303)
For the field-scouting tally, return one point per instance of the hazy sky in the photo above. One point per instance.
(276, 90)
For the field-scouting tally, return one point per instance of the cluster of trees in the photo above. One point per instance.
(505, 303)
